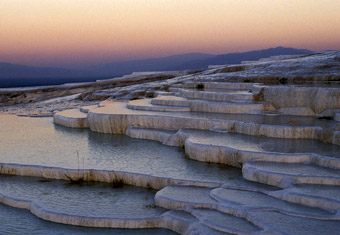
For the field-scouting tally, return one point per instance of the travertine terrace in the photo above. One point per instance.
(276, 119)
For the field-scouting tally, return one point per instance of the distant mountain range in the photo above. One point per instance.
(21, 75)
(8, 70)
(237, 58)
(168, 63)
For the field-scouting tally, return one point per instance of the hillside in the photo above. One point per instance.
(14, 75)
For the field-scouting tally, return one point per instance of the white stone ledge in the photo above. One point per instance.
(106, 176)
(71, 118)
(284, 180)
(221, 85)
(318, 99)
(117, 123)
(162, 221)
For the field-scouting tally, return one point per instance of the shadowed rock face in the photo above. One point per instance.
(281, 136)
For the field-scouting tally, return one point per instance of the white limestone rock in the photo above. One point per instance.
(244, 96)
(318, 99)
(278, 223)
(145, 104)
(115, 118)
(298, 111)
(167, 137)
(321, 196)
(170, 101)
(219, 85)
(284, 174)
(106, 176)
(71, 118)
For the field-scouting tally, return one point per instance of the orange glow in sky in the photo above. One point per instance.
(74, 32)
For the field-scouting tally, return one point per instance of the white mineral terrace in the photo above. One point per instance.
(284, 138)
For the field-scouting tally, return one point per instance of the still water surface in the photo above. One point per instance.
(37, 141)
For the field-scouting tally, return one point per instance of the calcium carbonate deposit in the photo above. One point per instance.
(239, 149)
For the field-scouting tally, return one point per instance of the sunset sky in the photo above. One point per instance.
(79, 32)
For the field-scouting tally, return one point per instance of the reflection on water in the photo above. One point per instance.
(37, 141)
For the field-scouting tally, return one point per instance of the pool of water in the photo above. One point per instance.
(21, 222)
(286, 224)
(226, 220)
(37, 141)
(88, 199)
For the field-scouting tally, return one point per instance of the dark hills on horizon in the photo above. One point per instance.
(14, 75)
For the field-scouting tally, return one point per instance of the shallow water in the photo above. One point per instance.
(286, 224)
(87, 199)
(37, 141)
(21, 222)
(226, 220)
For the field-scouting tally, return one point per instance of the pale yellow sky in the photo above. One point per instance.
(92, 31)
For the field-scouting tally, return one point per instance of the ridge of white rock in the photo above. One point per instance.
(206, 105)
(321, 196)
(105, 176)
(71, 118)
(235, 200)
(165, 136)
(286, 174)
(116, 118)
(239, 204)
(178, 120)
(50, 201)
(217, 85)
(171, 101)
(217, 95)
(145, 104)
(316, 99)
(79, 220)
(235, 149)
